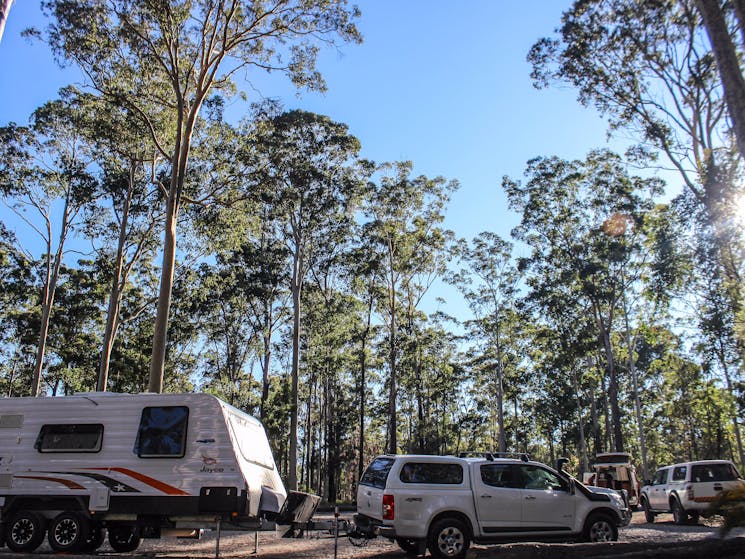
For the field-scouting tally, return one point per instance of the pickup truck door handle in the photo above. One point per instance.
(530, 498)
(486, 496)
(413, 499)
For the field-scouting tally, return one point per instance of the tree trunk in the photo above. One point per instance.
(597, 435)
(306, 473)
(615, 409)
(297, 282)
(4, 11)
(392, 389)
(739, 6)
(266, 359)
(363, 389)
(332, 442)
(500, 393)
(50, 287)
(637, 399)
(584, 461)
(115, 295)
(185, 129)
(551, 448)
(160, 335)
(725, 53)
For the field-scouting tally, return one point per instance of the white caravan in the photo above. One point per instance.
(137, 465)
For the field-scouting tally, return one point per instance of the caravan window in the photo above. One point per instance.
(162, 432)
(70, 438)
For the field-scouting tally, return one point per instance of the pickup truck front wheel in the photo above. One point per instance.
(648, 514)
(448, 538)
(599, 527)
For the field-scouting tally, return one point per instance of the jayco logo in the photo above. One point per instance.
(210, 466)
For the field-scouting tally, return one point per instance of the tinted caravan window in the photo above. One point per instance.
(162, 432)
(70, 438)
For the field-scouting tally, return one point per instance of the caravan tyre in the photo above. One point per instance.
(24, 532)
(68, 531)
(95, 538)
(123, 539)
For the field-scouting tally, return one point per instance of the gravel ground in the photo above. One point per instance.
(661, 540)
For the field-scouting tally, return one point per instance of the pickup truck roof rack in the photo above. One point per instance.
(492, 455)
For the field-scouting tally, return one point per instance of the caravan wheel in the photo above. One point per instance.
(67, 531)
(24, 531)
(123, 539)
(95, 538)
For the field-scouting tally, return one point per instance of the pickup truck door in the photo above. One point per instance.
(498, 497)
(657, 493)
(548, 504)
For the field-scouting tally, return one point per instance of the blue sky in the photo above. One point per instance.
(442, 83)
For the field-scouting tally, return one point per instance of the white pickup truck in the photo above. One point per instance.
(444, 503)
(688, 489)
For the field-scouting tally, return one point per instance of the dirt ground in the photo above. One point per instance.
(661, 540)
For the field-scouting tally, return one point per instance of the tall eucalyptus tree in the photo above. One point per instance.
(309, 174)
(649, 67)
(45, 165)
(404, 216)
(163, 60)
(575, 217)
(122, 228)
(17, 293)
(489, 282)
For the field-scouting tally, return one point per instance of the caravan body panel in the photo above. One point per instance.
(120, 455)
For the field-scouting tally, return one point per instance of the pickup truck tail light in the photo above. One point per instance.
(389, 509)
(689, 492)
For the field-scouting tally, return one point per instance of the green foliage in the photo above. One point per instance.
(730, 505)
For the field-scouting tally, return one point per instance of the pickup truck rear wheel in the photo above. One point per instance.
(599, 527)
(448, 538)
(648, 514)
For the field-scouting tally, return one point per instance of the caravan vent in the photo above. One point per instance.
(5, 481)
(11, 421)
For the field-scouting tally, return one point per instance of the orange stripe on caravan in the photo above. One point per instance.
(147, 480)
(66, 482)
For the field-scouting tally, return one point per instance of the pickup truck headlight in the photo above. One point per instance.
(618, 501)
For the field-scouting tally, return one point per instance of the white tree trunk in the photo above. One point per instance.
(4, 11)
